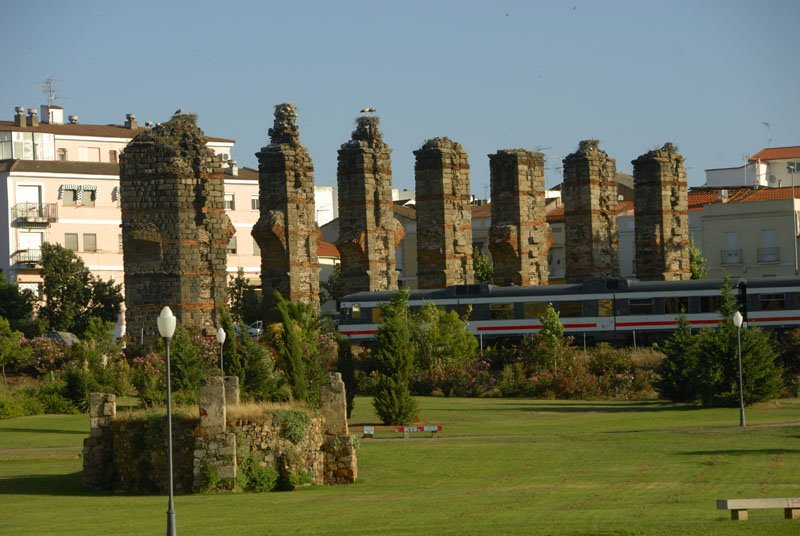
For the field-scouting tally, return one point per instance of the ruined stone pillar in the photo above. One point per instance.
(518, 237)
(98, 448)
(589, 193)
(232, 392)
(212, 406)
(368, 231)
(444, 215)
(340, 462)
(661, 215)
(286, 230)
(174, 228)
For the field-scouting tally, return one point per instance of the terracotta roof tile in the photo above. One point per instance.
(326, 249)
(80, 129)
(777, 153)
(57, 166)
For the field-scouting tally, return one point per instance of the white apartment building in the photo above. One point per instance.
(59, 183)
(773, 167)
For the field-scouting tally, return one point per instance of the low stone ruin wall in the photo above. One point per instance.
(209, 452)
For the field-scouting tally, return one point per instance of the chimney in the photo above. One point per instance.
(73, 120)
(131, 122)
(19, 116)
(33, 118)
(233, 169)
(52, 114)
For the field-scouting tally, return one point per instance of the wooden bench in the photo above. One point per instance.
(739, 507)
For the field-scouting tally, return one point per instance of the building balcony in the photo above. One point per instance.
(768, 255)
(730, 257)
(34, 214)
(30, 257)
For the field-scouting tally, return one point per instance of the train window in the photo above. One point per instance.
(534, 309)
(641, 306)
(676, 306)
(356, 312)
(772, 302)
(709, 304)
(570, 308)
(377, 317)
(465, 311)
(501, 311)
(605, 308)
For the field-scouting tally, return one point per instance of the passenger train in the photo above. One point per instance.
(603, 309)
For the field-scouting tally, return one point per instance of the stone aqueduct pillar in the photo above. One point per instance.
(286, 230)
(662, 215)
(444, 215)
(368, 231)
(174, 228)
(518, 237)
(589, 193)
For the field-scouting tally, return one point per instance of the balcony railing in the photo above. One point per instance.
(27, 256)
(34, 213)
(768, 255)
(731, 256)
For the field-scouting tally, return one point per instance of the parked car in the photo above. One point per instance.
(254, 330)
(63, 337)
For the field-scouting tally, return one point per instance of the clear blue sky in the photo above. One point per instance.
(492, 75)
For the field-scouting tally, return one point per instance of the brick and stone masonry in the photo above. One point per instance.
(662, 215)
(444, 215)
(589, 193)
(286, 230)
(368, 231)
(129, 454)
(518, 237)
(174, 228)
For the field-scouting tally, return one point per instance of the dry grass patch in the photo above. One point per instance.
(255, 410)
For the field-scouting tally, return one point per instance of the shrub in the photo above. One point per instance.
(208, 478)
(79, 384)
(257, 475)
(294, 424)
(259, 379)
(150, 380)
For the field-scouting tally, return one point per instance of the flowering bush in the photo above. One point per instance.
(46, 355)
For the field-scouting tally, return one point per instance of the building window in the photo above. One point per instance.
(87, 198)
(120, 243)
(255, 203)
(232, 246)
(230, 204)
(256, 249)
(62, 155)
(33, 288)
(89, 242)
(70, 198)
(112, 156)
(71, 241)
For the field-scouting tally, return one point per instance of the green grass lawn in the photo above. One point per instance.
(501, 466)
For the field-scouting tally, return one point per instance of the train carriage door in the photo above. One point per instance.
(605, 315)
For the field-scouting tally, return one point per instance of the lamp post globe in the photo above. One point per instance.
(221, 340)
(166, 328)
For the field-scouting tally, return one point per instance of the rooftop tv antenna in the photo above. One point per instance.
(769, 138)
(48, 89)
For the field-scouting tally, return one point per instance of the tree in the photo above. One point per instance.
(483, 267)
(299, 347)
(332, 288)
(237, 288)
(16, 305)
(71, 294)
(705, 366)
(11, 351)
(394, 358)
(442, 336)
(697, 263)
(677, 371)
(550, 344)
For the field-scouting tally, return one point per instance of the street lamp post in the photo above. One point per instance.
(791, 168)
(221, 341)
(166, 328)
(737, 321)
